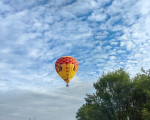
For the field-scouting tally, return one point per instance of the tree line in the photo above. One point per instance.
(118, 97)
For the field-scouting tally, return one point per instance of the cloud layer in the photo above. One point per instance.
(102, 36)
(53, 105)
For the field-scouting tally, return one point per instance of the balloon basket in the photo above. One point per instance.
(67, 85)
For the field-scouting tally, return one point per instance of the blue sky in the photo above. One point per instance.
(102, 35)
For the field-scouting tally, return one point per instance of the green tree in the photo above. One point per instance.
(141, 96)
(118, 97)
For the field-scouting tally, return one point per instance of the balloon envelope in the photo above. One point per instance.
(66, 67)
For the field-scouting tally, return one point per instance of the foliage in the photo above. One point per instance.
(118, 97)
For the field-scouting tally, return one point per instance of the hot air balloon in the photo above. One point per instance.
(66, 67)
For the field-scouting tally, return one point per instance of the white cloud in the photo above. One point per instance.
(42, 34)
(44, 104)
(4, 7)
(144, 5)
(112, 57)
(97, 17)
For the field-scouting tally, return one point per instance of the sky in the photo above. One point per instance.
(103, 35)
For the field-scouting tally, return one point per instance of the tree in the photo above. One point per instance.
(118, 97)
(141, 96)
